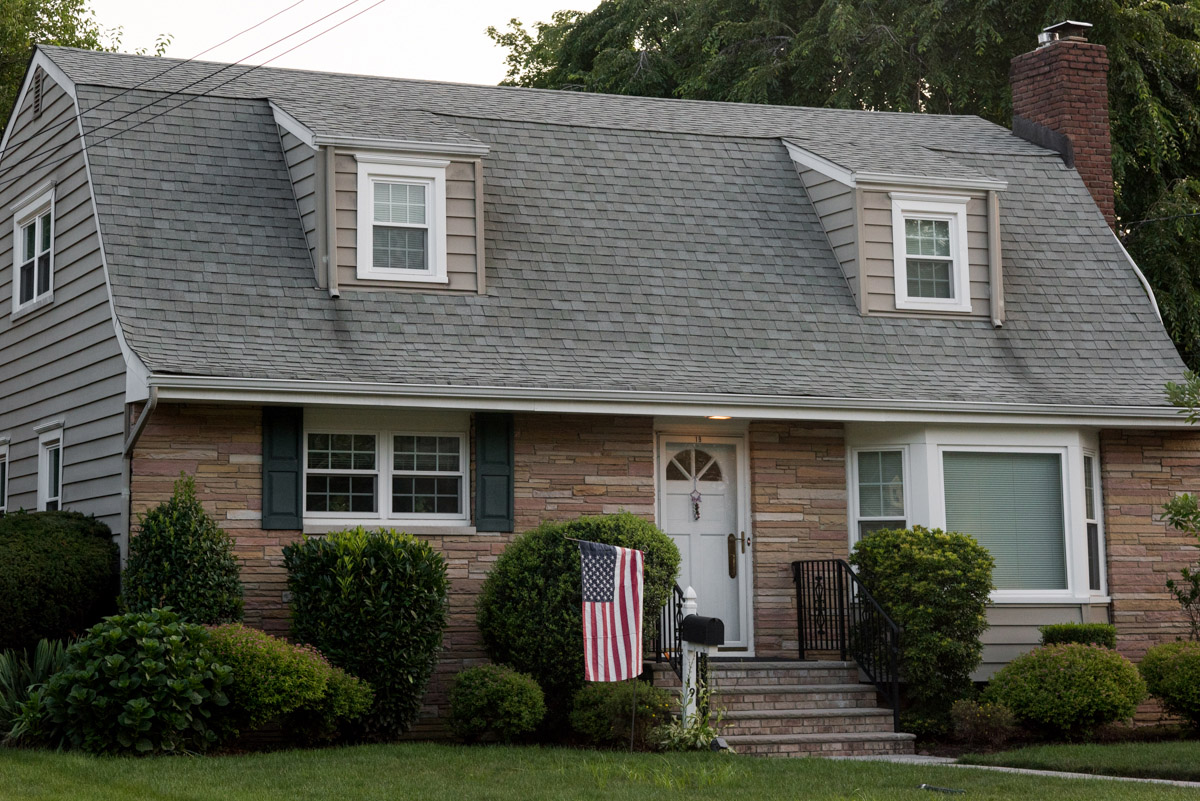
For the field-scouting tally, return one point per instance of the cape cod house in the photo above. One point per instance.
(464, 310)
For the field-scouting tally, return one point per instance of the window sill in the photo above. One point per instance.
(33, 306)
(409, 526)
(907, 304)
(1043, 598)
(402, 276)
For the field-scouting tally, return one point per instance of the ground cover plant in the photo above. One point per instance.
(1174, 759)
(496, 773)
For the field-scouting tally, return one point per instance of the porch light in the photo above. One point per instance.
(719, 417)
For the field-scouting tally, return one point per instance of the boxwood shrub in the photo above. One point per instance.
(935, 586)
(1068, 690)
(59, 575)
(1102, 634)
(1172, 673)
(530, 607)
(497, 701)
(140, 683)
(374, 603)
(603, 713)
(273, 679)
(180, 558)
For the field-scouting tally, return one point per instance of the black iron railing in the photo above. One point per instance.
(835, 612)
(668, 640)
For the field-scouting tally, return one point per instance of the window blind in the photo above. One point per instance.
(1012, 503)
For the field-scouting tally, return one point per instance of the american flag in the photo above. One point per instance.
(612, 612)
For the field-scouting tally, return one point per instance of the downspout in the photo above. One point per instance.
(331, 265)
(131, 440)
(995, 273)
(143, 418)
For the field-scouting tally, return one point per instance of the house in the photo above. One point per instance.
(769, 329)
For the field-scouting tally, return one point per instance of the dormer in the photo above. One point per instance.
(911, 243)
(389, 214)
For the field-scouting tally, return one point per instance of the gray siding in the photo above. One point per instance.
(834, 203)
(302, 166)
(61, 361)
(462, 267)
(877, 263)
(1013, 630)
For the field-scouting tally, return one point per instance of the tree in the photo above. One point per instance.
(937, 56)
(24, 23)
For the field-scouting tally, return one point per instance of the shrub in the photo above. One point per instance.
(139, 683)
(935, 586)
(495, 700)
(274, 679)
(1172, 673)
(982, 724)
(1102, 634)
(58, 576)
(181, 559)
(346, 700)
(603, 711)
(1068, 689)
(374, 603)
(19, 675)
(529, 610)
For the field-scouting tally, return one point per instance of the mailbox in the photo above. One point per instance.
(703, 630)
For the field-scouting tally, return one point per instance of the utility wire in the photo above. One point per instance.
(78, 115)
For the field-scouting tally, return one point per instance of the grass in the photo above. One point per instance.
(1162, 760)
(428, 771)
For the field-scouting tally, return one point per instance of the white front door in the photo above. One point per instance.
(701, 501)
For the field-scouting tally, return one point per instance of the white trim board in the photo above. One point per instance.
(804, 157)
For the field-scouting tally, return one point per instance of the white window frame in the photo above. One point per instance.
(1098, 500)
(430, 173)
(384, 462)
(27, 211)
(855, 517)
(949, 208)
(1071, 592)
(48, 440)
(5, 470)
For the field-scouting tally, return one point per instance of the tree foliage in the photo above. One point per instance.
(936, 56)
(24, 23)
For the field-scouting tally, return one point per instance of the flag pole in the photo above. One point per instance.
(633, 716)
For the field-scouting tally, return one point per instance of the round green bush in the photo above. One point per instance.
(1068, 690)
(603, 712)
(181, 559)
(274, 679)
(59, 575)
(1172, 673)
(140, 683)
(935, 585)
(495, 700)
(374, 603)
(530, 608)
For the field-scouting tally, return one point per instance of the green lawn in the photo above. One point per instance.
(1162, 760)
(428, 771)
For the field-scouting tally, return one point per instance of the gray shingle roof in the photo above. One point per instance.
(632, 244)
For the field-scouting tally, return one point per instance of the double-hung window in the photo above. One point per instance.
(929, 245)
(50, 470)
(342, 473)
(33, 251)
(401, 219)
(1091, 512)
(3, 475)
(879, 489)
(1012, 504)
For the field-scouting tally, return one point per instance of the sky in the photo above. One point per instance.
(441, 40)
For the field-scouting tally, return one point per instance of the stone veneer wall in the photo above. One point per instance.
(798, 497)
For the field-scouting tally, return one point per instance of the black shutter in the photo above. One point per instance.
(283, 426)
(493, 472)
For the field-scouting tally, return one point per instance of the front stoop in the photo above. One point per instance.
(794, 708)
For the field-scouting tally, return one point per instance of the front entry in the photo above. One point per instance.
(701, 498)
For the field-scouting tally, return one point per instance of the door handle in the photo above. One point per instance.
(731, 544)
(745, 541)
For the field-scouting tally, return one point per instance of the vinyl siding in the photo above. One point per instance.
(1013, 630)
(461, 233)
(834, 204)
(61, 361)
(877, 262)
(302, 167)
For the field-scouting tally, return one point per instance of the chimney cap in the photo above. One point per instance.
(1068, 29)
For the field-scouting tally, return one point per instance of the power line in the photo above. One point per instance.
(190, 98)
(79, 114)
(1136, 223)
(182, 89)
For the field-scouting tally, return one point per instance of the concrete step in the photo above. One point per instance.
(793, 696)
(863, 720)
(848, 744)
(742, 674)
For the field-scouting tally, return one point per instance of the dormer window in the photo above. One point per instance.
(929, 234)
(33, 251)
(401, 219)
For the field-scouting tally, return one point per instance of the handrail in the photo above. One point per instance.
(836, 612)
(668, 640)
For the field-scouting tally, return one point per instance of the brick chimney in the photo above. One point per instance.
(1060, 101)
